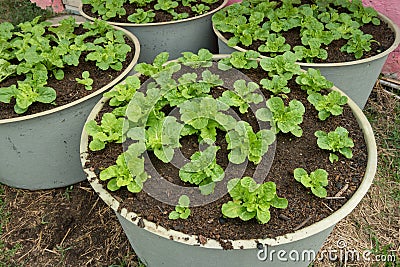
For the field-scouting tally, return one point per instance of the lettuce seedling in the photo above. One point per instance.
(31, 90)
(182, 210)
(128, 170)
(242, 96)
(162, 138)
(166, 5)
(276, 85)
(313, 81)
(159, 64)
(200, 8)
(202, 59)
(286, 118)
(203, 170)
(336, 141)
(274, 44)
(205, 116)
(281, 65)
(86, 80)
(122, 93)
(358, 44)
(328, 104)
(240, 60)
(141, 16)
(6, 69)
(316, 180)
(244, 143)
(107, 9)
(110, 130)
(252, 200)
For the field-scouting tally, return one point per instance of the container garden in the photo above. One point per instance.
(217, 157)
(161, 25)
(340, 38)
(42, 116)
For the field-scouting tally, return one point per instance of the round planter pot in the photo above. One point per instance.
(157, 246)
(41, 151)
(356, 78)
(174, 37)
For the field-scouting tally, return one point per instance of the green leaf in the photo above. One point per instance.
(231, 209)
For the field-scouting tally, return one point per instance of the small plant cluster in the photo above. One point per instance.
(320, 23)
(36, 51)
(145, 10)
(139, 118)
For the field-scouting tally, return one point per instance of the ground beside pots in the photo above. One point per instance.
(173, 36)
(153, 215)
(339, 67)
(40, 148)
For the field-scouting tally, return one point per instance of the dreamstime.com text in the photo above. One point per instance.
(339, 254)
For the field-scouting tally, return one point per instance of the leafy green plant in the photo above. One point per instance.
(86, 80)
(283, 65)
(31, 90)
(336, 141)
(203, 170)
(142, 16)
(205, 116)
(316, 180)
(313, 81)
(202, 59)
(252, 200)
(327, 105)
(242, 96)
(319, 24)
(276, 85)
(107, 9)
(244, 143)
(158, 65)
(37, 51)
(274, 44)
(110, 130)
(286, 118)
(358, 44)
(162, 137)
(166, 5)
(128, 170)
(200, 8)
(123, 92)
(240, 60)
(182, 210)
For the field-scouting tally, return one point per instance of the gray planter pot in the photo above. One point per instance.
(41, 151)
(356, 78)
(174, 37)
(157, 246)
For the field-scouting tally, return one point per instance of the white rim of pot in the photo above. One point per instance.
(127, 24)
(395, 44)
(97, 92)
(302, 233)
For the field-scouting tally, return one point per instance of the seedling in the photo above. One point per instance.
(86, 80)
(336, 141)
(252, 200)
(316, 180)
(327, 105)
(182, 210)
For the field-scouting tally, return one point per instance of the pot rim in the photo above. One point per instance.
(97, 92)
(127, 24)
(395, 44)
(302, 233)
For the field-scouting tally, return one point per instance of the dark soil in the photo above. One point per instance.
(67, 89)
(161, 16)
(382, 33)
(291, 152)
